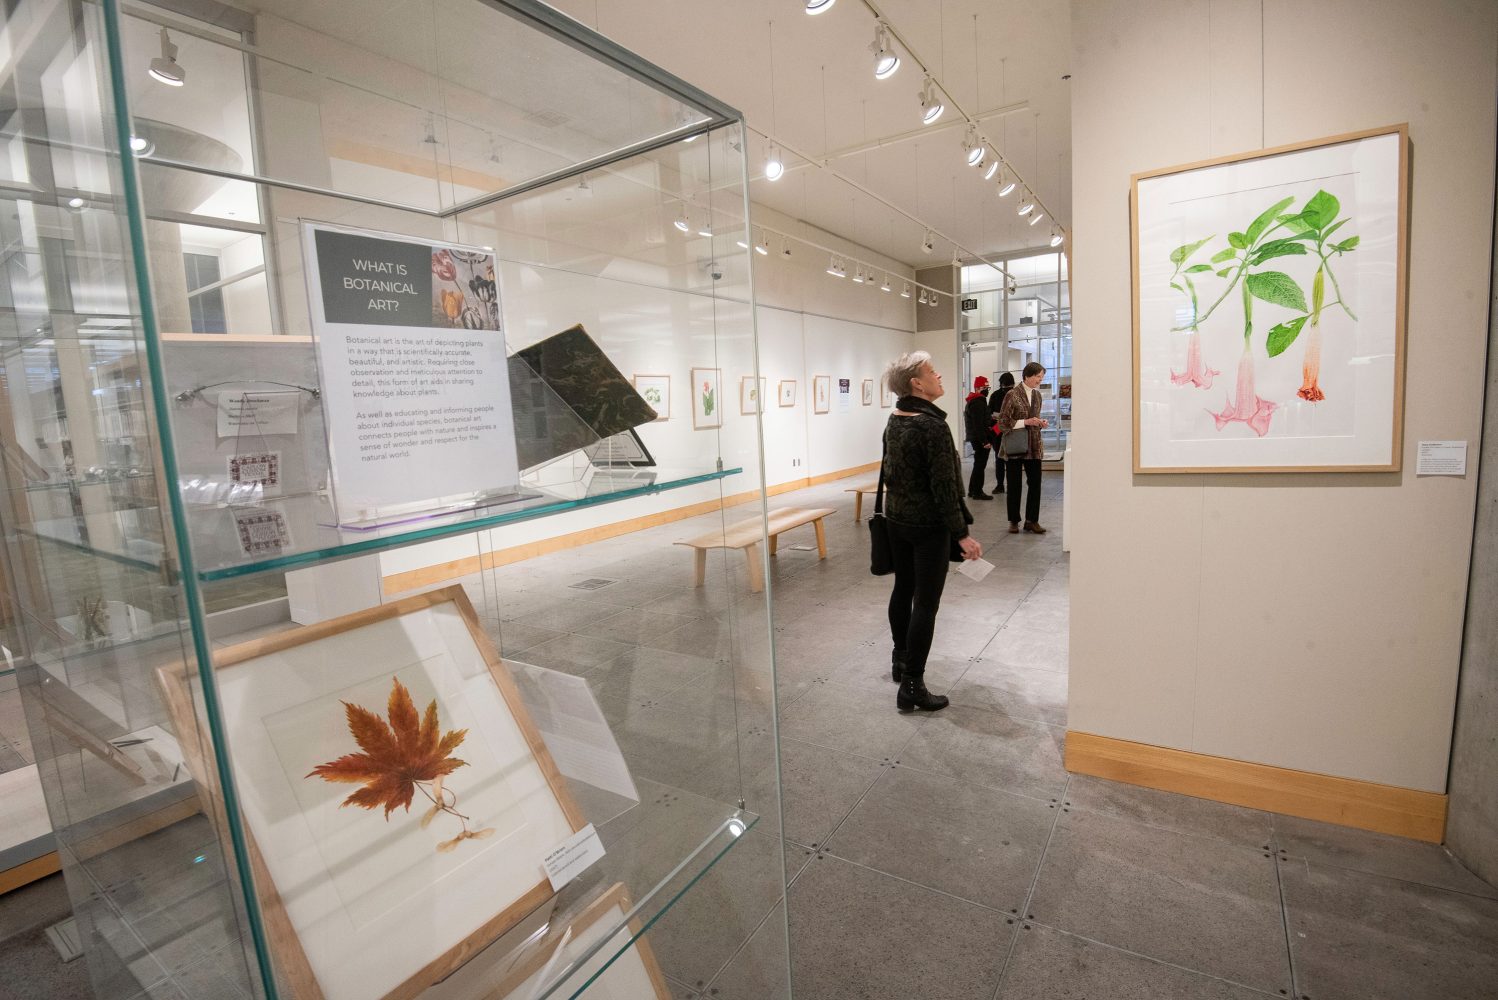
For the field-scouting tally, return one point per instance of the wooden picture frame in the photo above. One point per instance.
(752, 402)
(656, 391)
(821, 393)
(1266, 235)
(866, 391)
(313, 934)
(786, 392)
(635, 963)
(886, 397)
(707, 399)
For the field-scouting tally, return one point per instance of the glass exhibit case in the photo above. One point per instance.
(369, 594)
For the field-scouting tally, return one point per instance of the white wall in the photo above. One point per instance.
(1308, 621)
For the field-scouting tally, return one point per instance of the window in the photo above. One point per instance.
(206, 307)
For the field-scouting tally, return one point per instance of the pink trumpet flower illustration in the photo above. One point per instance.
(1249, 407)
(1196, 373)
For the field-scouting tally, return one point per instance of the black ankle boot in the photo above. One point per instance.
(897, 665)
(913, 695)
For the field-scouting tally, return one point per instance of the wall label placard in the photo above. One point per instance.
(414, 370)
(241, 413)
(1441, 458)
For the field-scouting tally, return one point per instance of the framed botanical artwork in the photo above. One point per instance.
(868, 392)
(751, 394)
(787, 392)
(386, 770)
(655, 390)
(821, 393)
(1269, 304)
(886, 396)
(707, 398)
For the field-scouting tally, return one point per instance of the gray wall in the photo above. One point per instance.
(1473, 828)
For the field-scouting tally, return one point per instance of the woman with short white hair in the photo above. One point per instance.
(927, 520)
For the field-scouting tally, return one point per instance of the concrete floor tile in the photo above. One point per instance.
(1396, 857)
(1196, 902)
(1152, 807)
(977, 843)
(991, 750)
(759, 971)
(1050, 965)
(860, 935)
(1354, 934)
(1019, 692)
(820, 786)
(573, 654)
(855, 720)
(1029, 647)
(635, 626)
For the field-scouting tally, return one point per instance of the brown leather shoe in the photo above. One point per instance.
(1033, 528)
(1014, 527)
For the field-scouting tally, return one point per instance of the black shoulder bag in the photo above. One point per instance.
(881, 560)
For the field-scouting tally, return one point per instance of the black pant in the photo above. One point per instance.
(921, 556)
(980, 463)
(998, 470)
(1029, 469)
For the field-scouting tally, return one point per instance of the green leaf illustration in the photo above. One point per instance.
(1179, 254)
(1279, 248)
(1237, 241)
(1256, 229)
(1347, 244)
(1222, 255)
(1178, 288)
(1284, 335)
(1296, 224)
(1198, 268)
(1328, 234)
(1320, 210)
(1278, 288)
(1225, 272)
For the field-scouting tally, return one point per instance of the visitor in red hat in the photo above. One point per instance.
(979, 435)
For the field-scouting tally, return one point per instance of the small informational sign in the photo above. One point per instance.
(258, 469)
(1441, 458)
(246, 413)
(573, 856)
(262, 531)
(844, 394)
(414, 370)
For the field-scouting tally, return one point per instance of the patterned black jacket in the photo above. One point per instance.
(922, 474)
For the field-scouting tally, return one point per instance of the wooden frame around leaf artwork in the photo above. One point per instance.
(662, 382)
(746, 407)
(1381, 222)
(784, 397)
(437, 636)
(821, 393)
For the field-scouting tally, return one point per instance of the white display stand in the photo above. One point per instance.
(333, 589)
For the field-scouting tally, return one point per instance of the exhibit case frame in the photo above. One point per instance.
(353, 646)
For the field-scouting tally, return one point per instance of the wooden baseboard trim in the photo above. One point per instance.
(1403, 812)
(25, 874)
(430, 576)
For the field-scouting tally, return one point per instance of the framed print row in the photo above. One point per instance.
(1269, 309)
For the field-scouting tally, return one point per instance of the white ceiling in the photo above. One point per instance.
(1020, 48)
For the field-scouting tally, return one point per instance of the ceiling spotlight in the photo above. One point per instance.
(815, 7)
(785, 249)
(1026, 204)
(905, 290)
(885, 287)
(1007, 184)
(762, 246)
(680, 222)
(707, 225)
(835, 268)
(741, 244)
(928, 244)
(931, 299)
(164, 67)
(1036, 217)
(858, 276)
(974, 148)
(993, 168)
(141, 146)
(1055, 238)
(931, 105)
(922, 297)
(76, 203)
(774, 165)
(885, 60)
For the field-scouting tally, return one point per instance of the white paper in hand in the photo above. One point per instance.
(975, 569)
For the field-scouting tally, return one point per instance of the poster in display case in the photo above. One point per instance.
(1269, 308)
(387, 770)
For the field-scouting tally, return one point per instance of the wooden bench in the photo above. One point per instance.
(859, 492)
(747, 534)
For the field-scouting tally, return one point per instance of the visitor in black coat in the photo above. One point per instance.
(979, 425)
(996, 400)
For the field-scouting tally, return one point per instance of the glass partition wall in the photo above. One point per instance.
(226, 594)
(1026, 318)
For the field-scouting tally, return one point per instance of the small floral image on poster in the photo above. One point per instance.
(707, 398)
(256, 472)
(464, 293)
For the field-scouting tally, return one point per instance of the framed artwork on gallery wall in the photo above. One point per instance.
(751, 394)
(868, 392)
(385, 767)
(655, 390)
(886, 397)
(787, 392)
(821, 393)
(707, 398)
(1269, 308)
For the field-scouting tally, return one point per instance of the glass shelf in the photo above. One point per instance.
(306, 521)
